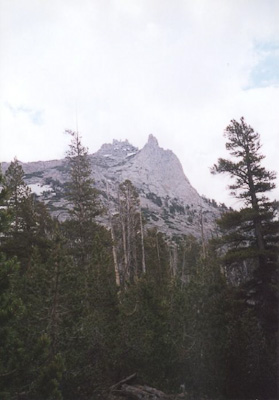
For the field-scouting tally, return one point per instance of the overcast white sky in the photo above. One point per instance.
(179, 69)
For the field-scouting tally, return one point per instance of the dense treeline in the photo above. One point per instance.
(82, 306)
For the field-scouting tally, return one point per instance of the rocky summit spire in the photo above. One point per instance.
(152, 140)
(161, 171)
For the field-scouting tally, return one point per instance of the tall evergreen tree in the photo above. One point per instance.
(250, 238)
(80, 191)
(5, 217)
(30, 223)
(92, 301)
(252, 180)
(80, 227)
(17, 191)
(251, 232)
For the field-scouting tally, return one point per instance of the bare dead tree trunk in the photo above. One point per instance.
(114, 253)
(158, 253)
(124, 243)
(129, 234)
(202, 233)
(54, 311)
(142, 244)
(173, 259)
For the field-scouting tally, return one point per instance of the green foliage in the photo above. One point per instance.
(157, 257)
(5, 215)
(25, 350)
(249, 243)
(17, 192)
(176, 208)
(11, 310)
(144, 313)
(154, 198)
(252, 232)
(67, 331)
(250, 177)
(29, 221)
(250, 358)
(80, 192)
(199, 325)
(47, 385)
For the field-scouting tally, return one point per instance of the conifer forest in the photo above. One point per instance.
(83, 306)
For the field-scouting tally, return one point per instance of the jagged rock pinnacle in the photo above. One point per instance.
(152, 140)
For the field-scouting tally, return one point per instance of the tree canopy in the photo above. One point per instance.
(81, 308)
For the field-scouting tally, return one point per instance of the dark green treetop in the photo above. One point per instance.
(17, 191)
(252, 180)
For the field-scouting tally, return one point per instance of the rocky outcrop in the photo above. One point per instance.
(167, 198)
(159, 171)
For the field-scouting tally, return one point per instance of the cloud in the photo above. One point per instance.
(180, 70)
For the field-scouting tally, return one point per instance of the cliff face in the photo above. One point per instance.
(167, 199)
(160, 172)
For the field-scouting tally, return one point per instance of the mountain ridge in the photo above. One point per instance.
(168, 200)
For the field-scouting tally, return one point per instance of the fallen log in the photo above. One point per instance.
(152, 391)
(130, 391)
(123, 381)
(138, 392)
(134, 393)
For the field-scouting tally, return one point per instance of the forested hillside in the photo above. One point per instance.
(83, 306)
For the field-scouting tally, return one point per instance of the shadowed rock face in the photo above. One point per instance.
(167, 198)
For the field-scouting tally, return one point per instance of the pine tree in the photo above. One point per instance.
(80, 191)
(92, 300)
(80, 227)
(252, 180)
(30, 223)
(5, 217)
(250, 234)
(249, 243)
(17, 191)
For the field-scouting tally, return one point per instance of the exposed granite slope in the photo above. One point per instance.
(167, 198)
